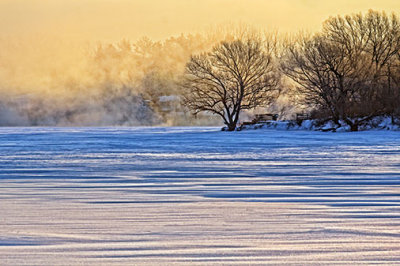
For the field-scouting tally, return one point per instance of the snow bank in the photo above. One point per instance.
(377, 123)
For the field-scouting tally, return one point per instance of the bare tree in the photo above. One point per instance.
(383, 49)
(374, 40)
(235, 76)
(326, 77)
(347, 69)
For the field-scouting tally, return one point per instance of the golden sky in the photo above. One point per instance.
(112, 20)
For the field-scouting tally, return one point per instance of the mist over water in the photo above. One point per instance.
(49, 81)
(46, 81)
(61, 62)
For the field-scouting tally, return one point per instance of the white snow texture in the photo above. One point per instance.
(160, 196)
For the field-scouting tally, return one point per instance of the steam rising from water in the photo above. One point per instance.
(50, 76)
(48, 81)
(45, 81)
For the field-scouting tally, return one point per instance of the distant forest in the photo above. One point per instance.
(349, 71)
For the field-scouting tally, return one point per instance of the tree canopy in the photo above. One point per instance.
(234, 76)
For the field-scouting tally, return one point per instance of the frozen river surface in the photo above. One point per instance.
(158, 196)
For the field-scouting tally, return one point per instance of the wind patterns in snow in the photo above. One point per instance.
(114, 196)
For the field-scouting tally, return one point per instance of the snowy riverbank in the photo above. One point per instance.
(377, 123)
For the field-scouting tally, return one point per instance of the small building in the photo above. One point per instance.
(302, 116)
(265, 117)
(169, 103)
(262, 118)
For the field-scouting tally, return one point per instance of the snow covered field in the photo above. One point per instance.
(114, 196)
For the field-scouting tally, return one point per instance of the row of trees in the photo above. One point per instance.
(350, 72)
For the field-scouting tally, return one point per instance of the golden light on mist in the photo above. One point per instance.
(49, 48)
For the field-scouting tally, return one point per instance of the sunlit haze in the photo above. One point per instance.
(110, 20)
(63, 61)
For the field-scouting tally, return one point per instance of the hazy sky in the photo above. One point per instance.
(110, 20)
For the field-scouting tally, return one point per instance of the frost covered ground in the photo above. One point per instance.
(115, 196)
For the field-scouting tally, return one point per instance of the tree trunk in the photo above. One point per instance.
(231, 126)
(336, 121)
(354, 127)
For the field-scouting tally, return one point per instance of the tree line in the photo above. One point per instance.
(348, 72)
